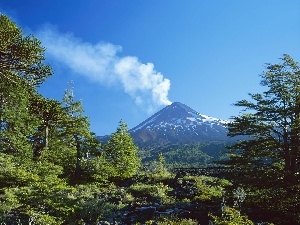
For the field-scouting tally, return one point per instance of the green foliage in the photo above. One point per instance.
(230, 216)
(157, 169)
(76, 135)
(13, 172)
(278, 204)
(97, 169)
(267, 163)
(188, 155)
(157, 192)
(89, 207)
(204, 188)
(95, 210)
(43, 197)
(21, 57)
(121, 153)
(54, 171)
(272, 121)
(37, 149)
(50, 114)
(166, 221)
(21, 70)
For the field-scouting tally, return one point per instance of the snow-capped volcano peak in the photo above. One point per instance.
(178, 121)
(178, 114)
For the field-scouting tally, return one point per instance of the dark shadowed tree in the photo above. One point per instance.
(51, 116)
(272, 121)
(267, 161)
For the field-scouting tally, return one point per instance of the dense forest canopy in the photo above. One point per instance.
(54, 171)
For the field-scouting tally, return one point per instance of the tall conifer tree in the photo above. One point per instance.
(272, 121)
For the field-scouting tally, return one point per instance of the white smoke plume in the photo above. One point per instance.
(100, 62)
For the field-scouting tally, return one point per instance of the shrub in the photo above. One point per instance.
(230, 216)
(166, 221)
(204, 188)
(153, 191)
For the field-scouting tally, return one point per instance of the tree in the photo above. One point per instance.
(272, 123)
(76, 130)
(51, 115)
(21, 70)
(121, 153)
(42, 141)
(21, 57)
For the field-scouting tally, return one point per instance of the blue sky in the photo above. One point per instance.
(129, 59)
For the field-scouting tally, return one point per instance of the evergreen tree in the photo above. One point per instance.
(121, 153)
(31, 191)
(272, 121)
(268, 159)
(76, 132)
(21, 57)
(40, 139)
(51, 115)
(21, 70)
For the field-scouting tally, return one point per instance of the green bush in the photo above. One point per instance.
(166, 221)
(155, 191)
(205, 188)
(230, 216)
(157, 171)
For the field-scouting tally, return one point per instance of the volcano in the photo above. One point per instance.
(179, 124)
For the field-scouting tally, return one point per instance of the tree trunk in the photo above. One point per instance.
(46, 136)
(78, 158)
(295, 144)
(287, 157)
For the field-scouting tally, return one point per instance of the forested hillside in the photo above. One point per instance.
(201, 154)
(54, 171)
